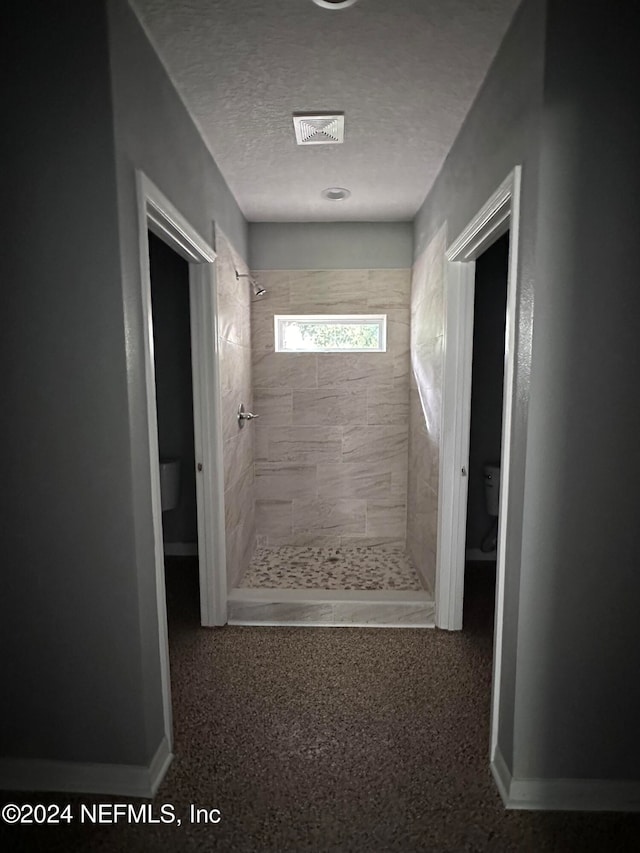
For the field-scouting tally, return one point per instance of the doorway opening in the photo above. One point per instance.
(156, 214)
(485, 434)
(170, 306)
(499, 215)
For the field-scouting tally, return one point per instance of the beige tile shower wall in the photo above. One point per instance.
(332, 440)
(425, 399)
(234, 332)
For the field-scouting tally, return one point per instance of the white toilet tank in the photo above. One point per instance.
(169, 483)
(492, 489)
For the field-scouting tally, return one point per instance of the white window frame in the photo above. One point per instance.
(331, 319)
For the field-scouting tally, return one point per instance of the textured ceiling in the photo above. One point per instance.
(404, 72)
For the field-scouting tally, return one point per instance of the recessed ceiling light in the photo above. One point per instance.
(335, 193)
(334, 4)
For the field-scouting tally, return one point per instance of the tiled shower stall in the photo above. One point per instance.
(316, 488)
(330, 448)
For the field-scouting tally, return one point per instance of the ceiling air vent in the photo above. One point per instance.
(319, 129)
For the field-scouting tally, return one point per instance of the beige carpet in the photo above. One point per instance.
(334, 739)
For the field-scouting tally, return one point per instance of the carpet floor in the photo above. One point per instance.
(331, 739)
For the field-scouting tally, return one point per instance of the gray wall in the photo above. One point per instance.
(79, 593)
(489, 315)
(330, 245)
(572, 585)
(174, 382)
(501, 131)
(72, 661)
(154, 133)
(578, 696)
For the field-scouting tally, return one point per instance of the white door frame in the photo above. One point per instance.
(500, 214)
(157, 214)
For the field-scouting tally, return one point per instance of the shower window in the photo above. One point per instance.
(331, 332)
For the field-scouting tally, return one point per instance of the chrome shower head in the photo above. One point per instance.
(257, 289)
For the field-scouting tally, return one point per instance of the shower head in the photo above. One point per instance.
(257, 289)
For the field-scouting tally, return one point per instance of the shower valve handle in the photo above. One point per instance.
(245, 416)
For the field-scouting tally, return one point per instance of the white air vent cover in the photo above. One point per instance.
(319, 129)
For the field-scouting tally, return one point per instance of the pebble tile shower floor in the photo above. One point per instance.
(332, 568)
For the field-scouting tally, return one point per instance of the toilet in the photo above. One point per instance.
(492, 503)
(169, 483)
(492, 489)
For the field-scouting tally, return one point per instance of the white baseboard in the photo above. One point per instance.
(501, 776)
(180, 549)
(28, 774)
(475, 555)
(587, 795)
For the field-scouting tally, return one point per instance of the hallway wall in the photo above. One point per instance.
(331, 442)
(70, 598)
(153, 132)
(578, 696)
(501, 131)
(569, 637)
(234, 335)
